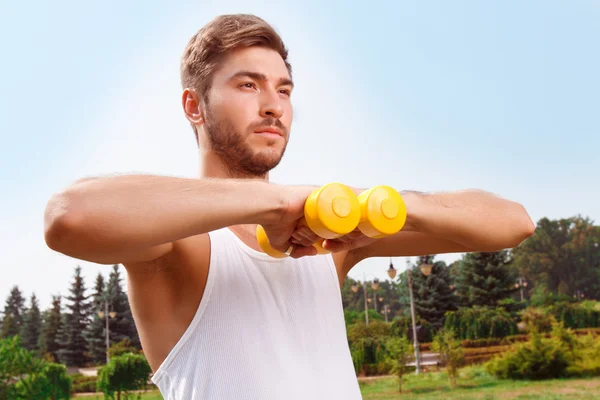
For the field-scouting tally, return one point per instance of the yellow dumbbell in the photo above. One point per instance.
(382, 210)
(334, 210)
(330, 211)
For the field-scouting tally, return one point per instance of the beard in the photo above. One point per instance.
(237, 154)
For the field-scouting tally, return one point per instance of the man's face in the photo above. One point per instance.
(250, 96)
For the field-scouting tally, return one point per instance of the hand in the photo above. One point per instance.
(282, 232)
(304, 236)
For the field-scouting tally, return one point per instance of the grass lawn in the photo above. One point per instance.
(473, 383)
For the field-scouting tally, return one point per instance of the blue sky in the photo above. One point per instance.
(422, 95)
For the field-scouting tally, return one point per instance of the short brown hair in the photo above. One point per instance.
(220, 36)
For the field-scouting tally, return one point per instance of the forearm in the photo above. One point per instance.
(472, 218)
(140, 211)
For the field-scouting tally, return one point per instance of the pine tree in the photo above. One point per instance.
(433, 295)
(485, 278)
(96, 331)
(32, 327)
(122, 326)
(13, 313)
(73, 350)
(49, 340)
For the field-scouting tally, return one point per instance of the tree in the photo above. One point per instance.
(432, 294)
(16, 364)
(13, 313)
(123, 374)
(451, 353)
(564, 255)
(484, 279)
(49, 343)
(96, 330)
(400, 351)
(73, 345)
(122, 326)
(32, 326)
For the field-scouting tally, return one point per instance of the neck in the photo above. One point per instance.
(212, 166)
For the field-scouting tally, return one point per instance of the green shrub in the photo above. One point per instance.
(84, 384)
(480, 323)
(538, 359)
(33, 387)
(538, 319)
(587, 360)
(451, 353)
(120, 348)
(123, 374)
(399, 351)
(585, 314)
(402, 326)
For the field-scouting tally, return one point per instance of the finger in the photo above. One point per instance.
(303, 251)
(309, 234)
(334, 245)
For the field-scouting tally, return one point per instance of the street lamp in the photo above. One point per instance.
(374, 286)
(426, 270)
(105, 314)
(579, 295)
(521, 283)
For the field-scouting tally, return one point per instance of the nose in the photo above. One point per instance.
(271, 104)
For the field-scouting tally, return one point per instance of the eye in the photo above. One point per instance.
(285, 92)
(248, 85)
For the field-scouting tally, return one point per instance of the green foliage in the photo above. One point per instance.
(95, 331)
(484, 279)
(373, 316)
(538, 359)
(18, 364)
(60, 382)
(564, 255)
(451, 352)
(122, 326)
(33, 387)
(32, 326)
(51, 382)
(587, 359)
(73, 345)
(83, 384)
(432, 294)
(123, 347)
(350, 317)
(481, 323)
(585, 314)
(399, 351)
(14, 309)
(537, 319)
(402, 326)
(368, 347)
(49, 344)
(123, 374)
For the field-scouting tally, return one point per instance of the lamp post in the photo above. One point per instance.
(426, 270)
(105, 314)
(579, 295)
(374, 286)
(521, 283)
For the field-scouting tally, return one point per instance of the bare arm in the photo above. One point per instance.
(135, 218)
(461, 221)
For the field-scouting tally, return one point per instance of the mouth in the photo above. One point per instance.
(269, 132)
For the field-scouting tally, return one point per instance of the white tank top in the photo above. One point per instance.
(265, 329)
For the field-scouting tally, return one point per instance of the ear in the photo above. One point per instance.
(192, 106)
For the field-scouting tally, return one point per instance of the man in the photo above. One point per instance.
(217, 317)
